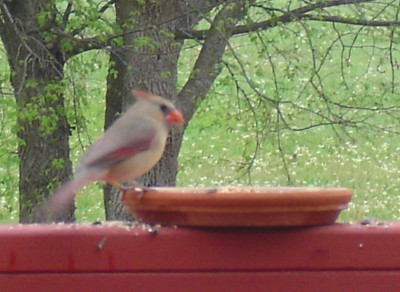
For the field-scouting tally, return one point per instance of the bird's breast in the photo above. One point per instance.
(139, 163)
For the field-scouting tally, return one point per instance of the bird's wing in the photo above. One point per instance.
(117, 146)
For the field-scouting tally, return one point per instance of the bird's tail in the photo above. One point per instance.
(61, 201)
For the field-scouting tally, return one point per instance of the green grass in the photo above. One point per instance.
(220, 140)
(370, 168)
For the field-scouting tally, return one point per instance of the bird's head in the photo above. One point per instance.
(159, 108)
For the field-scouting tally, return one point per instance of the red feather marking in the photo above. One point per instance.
(122, 152)
(116, 156)
(142, 94)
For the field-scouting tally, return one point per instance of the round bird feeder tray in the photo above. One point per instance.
(238, 207)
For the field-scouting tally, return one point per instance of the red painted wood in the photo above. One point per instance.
(104, 258)
(71, 248)
(177, 282)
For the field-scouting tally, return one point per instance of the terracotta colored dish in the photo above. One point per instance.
(238, 207)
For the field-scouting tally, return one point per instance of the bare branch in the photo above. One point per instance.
(391, 57)
(66, 14)
(295, 14)
(106, 6)
(206, 68)
(353, 21)
(249, 164)
(86, 44)
(326, 4)
(100, 11)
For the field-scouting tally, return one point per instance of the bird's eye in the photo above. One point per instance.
(164, 108)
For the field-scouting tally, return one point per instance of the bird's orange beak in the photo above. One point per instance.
(175, 117)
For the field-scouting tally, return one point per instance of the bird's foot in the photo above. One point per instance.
(140, 191)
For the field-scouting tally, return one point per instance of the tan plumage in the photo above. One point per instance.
(128, 149)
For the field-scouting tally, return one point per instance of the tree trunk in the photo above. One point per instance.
(114, 98)
(151, 57)
(36, 76)
(151, 64)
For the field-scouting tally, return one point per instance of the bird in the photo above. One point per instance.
(130, 147)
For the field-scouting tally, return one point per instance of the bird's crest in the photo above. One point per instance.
(142, 94)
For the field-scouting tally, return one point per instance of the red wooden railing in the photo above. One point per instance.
(340, 257)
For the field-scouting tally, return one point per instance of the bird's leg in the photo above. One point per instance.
(134, 186)
(124, 188)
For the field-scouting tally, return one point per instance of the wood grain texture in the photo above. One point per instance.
(102, 258)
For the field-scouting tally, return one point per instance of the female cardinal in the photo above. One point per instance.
(128, 149)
